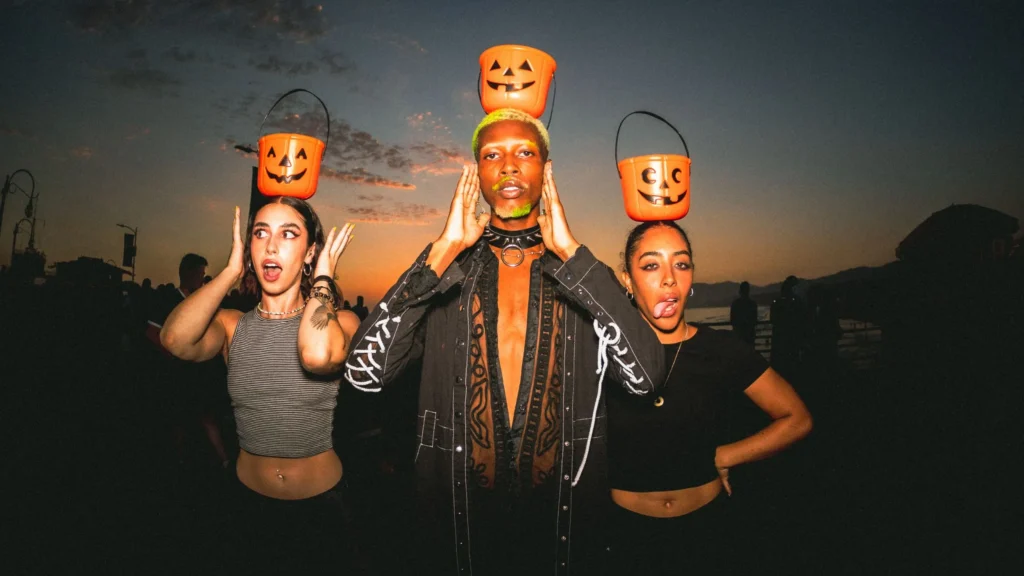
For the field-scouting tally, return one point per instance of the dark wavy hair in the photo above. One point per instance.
(315, 234)
(637, 234)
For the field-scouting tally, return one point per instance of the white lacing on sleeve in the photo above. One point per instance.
(604, 342)
(357, 364)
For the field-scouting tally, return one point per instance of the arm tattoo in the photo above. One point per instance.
(321, 317)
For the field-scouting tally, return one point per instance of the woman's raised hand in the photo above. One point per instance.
(236, 260)
(334, 247)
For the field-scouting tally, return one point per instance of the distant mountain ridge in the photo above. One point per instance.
(720, 294)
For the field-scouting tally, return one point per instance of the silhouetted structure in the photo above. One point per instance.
(743, 315)
(961, 233)
(86, 271)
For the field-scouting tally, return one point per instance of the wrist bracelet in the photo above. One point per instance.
(331, 284)
(325, 297)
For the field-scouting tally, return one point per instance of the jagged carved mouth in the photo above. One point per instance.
(286, 179)
(663, 200)
(511, 86)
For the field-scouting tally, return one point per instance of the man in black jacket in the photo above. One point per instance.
(516, 324)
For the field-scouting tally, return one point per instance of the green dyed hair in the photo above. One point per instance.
(503, 114)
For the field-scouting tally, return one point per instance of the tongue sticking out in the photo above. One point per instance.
(271, 273)
(662, 309)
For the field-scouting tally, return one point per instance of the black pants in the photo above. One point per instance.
(289, 535)
(694, 544)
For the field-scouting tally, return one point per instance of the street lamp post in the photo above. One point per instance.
(135, 244)
(10, 186)
(14, 242)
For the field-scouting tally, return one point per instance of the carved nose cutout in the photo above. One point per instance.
(509, 72)
(285, 162)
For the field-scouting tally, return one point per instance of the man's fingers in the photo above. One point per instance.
(457, 199)
(472, 185)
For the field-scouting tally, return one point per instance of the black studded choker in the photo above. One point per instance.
(513, 244)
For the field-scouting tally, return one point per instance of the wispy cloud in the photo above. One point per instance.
(337, 62)
(229, 145)
(83, 152)
(184, 56)
(8, 130)
(400, 213)
(438, 160)
(135, 134)
(427, 122)
(363, 177)
(144, 79)
(266, 20)
(275, 65)
(403, 43)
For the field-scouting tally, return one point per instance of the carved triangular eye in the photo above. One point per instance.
(495, 66)
(301, 154)
(271, 154)
(526, 66)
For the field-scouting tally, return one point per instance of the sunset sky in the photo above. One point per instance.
(821, 132)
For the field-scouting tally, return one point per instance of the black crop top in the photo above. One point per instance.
(672, 446)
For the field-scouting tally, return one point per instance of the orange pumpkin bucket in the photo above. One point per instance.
(289, 163)
(655, 186)
(513, 76)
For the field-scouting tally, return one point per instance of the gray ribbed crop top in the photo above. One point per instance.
(280, 409)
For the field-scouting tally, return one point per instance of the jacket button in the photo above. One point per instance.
(458, 414)
(566, 442)
(563, 538)
(565, 507)
(458, 379)
(458, 448)
(566, 477)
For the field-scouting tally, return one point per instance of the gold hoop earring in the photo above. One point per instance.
(307, 269)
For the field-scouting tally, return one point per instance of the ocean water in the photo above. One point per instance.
(719, 314)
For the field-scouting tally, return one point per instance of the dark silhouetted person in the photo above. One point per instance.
(346, 305)
(787, 318)
(743, 315)
(193, 390)
(823, 326)
(360, 309)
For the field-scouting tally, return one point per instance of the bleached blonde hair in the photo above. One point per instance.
(503, 114)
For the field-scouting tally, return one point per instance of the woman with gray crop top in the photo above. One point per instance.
(668, 454)
(283, 361)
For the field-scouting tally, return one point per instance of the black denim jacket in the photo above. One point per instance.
(430, 316)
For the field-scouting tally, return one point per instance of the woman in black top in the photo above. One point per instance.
(668, 465)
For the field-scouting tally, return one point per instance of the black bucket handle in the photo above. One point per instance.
(652, 115)
(554, 93)
(289, 93)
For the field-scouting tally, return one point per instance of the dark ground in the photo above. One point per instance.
(912, 468)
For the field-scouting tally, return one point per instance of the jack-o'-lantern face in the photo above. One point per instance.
(288, 171)
(515, 77)
(659, 190)
(656, 187)
(289, 165)
(509, 80)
